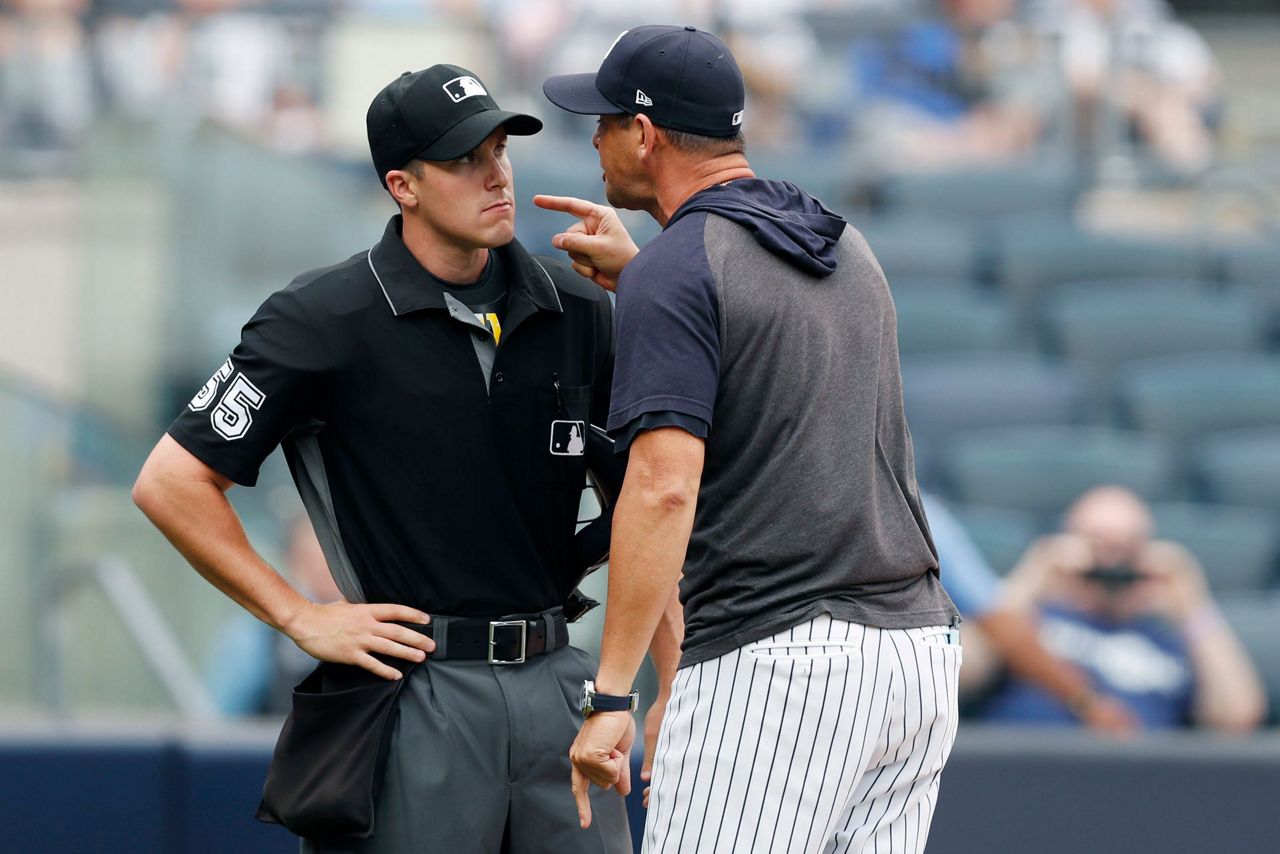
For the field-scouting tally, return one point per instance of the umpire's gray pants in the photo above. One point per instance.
(480, 752)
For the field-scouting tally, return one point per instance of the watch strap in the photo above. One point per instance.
(593, 702)
(614, 702)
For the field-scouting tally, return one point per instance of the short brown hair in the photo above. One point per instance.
(692, 143)
(707, 146)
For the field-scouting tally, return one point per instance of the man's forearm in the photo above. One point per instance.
(1228, 693)
(664, 649)
(1014, 637)
(651, 527)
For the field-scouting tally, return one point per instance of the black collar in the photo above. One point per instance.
(409, 288)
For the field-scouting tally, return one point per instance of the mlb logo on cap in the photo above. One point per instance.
(568, 438)
(462, 88)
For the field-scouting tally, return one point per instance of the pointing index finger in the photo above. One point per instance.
(566, 204)
(578, 784)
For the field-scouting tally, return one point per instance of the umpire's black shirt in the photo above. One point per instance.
(425, 487)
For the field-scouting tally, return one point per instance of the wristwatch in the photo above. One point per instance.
(593, 702)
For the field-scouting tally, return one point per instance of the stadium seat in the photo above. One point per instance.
(826, 175)
(1185, 397)
(1036, 255)
(1256, 268)
(1133, 321)
(1099, 332)
(1042, 469)
(1135, 287)
(919, 286)
(955, 320)
(922, 246)
(1256, 620)
(1267, 295)
(1252, 262)
(1000, 533)
(981, 192)
(946, 395)
(1237, 546)
(1240, 467)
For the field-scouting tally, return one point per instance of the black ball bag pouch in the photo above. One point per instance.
(331, 755)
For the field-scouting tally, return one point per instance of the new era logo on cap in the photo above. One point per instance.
(643, 100)
(462, 88)
(737, 118)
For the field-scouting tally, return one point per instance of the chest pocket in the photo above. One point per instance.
(560, 440)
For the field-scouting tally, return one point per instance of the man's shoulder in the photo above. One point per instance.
(333, 290)
(676, 248)
(567, 283)
(315, 283)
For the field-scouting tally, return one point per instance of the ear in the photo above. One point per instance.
(399, 183)
(648, 135)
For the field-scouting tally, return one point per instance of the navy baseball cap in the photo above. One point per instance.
(680, 77)
(439, 113)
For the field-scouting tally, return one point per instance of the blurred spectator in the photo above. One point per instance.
(246, 66)
(778, 56)
(250, 65)
(253, 668)
(141, 49)
(1136, 615)
(995, 637)
(569, 34)
(1131, 56)
(948, 90)
(46, 98)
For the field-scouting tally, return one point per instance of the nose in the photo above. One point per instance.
(595, 138)
(498, 175)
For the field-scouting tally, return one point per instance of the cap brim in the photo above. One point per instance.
(473, 130)
(577, 93)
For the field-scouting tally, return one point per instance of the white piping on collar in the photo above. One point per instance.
(378, 278)
(550, 281)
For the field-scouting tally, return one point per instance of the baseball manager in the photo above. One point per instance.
(758, 390)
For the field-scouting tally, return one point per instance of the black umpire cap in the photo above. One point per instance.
(680, 77)
(439, 113)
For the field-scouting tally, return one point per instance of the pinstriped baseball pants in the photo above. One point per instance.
(828, 737)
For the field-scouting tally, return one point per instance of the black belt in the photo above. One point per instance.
(507, 640)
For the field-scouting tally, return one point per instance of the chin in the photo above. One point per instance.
(496, 236)
(616, 199)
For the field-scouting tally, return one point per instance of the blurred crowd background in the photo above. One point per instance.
(1076, 203)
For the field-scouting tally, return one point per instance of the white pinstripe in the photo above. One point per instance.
(829, 736)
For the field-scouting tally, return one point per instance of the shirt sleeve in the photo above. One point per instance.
(966, 576)
(668, 331)
(652, 421)
(270, 382)
(602, 385)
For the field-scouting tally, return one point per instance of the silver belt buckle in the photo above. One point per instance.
(524, 640)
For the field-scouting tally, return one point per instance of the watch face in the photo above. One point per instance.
(584, 704)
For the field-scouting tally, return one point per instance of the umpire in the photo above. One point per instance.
(432, 396)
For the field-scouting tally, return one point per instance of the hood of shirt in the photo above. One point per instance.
(784, 219)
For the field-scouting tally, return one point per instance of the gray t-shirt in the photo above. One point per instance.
(761, 314)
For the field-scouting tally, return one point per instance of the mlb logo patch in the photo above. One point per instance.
(462, 88)
(568, 438)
